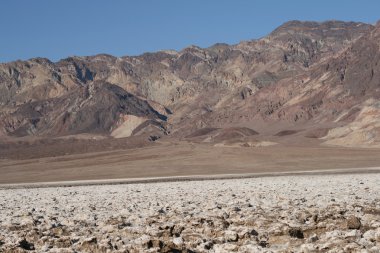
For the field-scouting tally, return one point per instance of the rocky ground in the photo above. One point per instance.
(334, 213)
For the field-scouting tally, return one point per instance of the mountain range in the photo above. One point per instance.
(313, 82)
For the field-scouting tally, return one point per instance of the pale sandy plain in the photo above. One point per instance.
(183, 159)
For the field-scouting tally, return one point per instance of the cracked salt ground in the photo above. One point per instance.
(339, 213)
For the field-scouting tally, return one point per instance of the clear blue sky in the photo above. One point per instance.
(58, 29)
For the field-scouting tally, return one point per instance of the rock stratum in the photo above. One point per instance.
(273, 214)
(319, 80)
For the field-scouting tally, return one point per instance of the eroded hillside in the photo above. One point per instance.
(305, 79)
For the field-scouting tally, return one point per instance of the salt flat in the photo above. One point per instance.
(313, 213)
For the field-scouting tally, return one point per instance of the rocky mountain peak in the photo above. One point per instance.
(331, 28)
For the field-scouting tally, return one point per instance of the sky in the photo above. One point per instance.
(58, 29)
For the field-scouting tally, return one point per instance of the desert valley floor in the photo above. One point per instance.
(166, 159)
(190, 197)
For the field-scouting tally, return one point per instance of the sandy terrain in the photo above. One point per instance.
(182, 159)
(312, 213)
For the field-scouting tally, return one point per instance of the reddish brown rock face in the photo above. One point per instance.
(303, 75)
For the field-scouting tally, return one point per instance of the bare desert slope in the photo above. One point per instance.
(319, 77)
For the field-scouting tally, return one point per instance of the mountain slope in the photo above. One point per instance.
(319, 77)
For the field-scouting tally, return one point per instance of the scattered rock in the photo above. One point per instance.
(254, 232)
(296, 233)
(208, 245)
(353, 222)
(178, 241)
(24, 244)
(231, 236)
(263, 244)
(313, 238)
